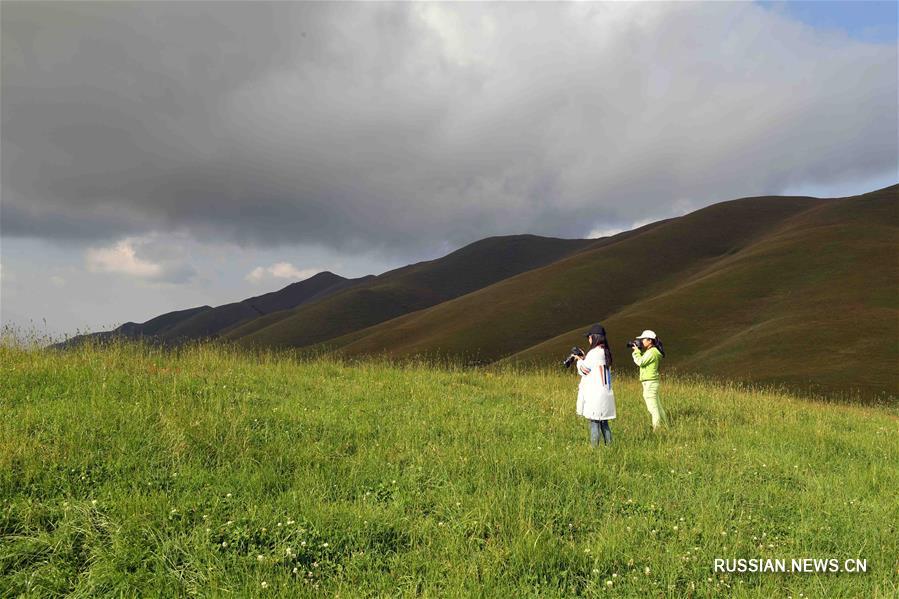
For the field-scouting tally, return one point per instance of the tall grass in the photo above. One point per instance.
(127, 469)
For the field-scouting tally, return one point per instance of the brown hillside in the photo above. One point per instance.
(814, 305)
(406, 289)
(530, 308)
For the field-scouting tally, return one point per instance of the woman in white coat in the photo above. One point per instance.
(595, 398)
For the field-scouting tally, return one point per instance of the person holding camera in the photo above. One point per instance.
(648, 354)
(595, 399)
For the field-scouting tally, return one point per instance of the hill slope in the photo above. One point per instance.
(206, 321)
(214, 322)
(406, 289)
(742, 288)
(158, 325)
(521, 311)
(793, 290)
(813, 305)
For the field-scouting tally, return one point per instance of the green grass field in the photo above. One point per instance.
(128, 471)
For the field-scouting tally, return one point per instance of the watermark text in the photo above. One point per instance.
(799, 565)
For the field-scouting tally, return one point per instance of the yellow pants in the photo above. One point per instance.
(651, 397)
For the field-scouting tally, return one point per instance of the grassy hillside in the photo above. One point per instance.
(814, 304)
(128, 471)
(530, 308)
(739, 290)
(405, 290)
(159, 325)
(775, 290)
(206, 321)
(216, 321)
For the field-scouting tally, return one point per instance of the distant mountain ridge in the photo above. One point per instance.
(738, 289)
(208, 322)
(776, 290)
(212, 323)
(813, 304)
(327, 305)
(406, 290)
(584, 287)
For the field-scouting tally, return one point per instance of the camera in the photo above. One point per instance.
(635, 344)
(575, 351)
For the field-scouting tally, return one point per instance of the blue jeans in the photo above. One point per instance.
(597, 428)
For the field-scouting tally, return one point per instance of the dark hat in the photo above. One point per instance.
(596, 329)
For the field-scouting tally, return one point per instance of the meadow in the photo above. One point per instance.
(127, 470)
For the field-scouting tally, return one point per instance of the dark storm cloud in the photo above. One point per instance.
(400, 125)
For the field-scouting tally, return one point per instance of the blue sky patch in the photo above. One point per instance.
(863, 20)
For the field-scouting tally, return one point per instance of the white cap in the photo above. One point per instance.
(647, 334)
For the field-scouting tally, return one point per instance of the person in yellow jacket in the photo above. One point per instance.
(648, 359)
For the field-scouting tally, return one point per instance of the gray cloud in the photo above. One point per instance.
(405, 126)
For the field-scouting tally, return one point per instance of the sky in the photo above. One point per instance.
(160, 156)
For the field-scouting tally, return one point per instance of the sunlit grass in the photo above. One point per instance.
(130, 470)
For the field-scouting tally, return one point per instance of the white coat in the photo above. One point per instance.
(595, 398)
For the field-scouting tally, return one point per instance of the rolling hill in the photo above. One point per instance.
(154, 328)
(528, 309)
(206, 321)
(812, 305)
(405, 290)
(793, 290)
(213, 322)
